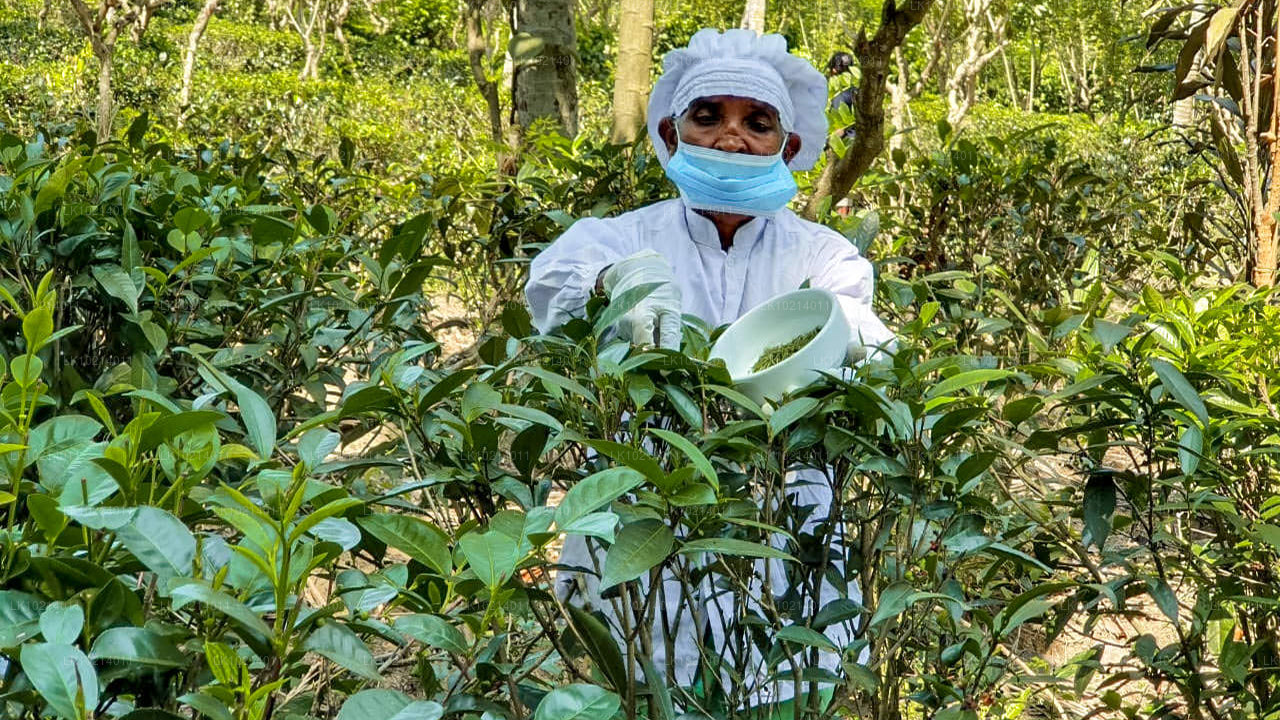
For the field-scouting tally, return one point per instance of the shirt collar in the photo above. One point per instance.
(703, 231)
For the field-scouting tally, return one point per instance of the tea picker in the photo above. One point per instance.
(731, 117)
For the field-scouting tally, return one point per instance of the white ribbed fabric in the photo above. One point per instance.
(743, 77)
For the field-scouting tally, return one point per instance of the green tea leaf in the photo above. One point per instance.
(578, 702)
(207, 705)
(37, 326)
(478, 399)
(691, 451)
(805, 636)
(1190, 449)
(783, 417)
(434, 631)
(61, 674)
(118, 284)
(338, 643)
(137, 645)
(419, 540)
(61, 623)
(160, 541)
(731, 546)
(1109, 334)
(255, 413)
(600, 645)
(330, 509)
(1165, 599)
(225, 664)
(492, 556)
(388, 704)
(893, 601)
(596, 524)
(1099, 504)
(184, 591)
(641, 546)
(634, 458)
(620, 305)
(1177, 385)
(594, 492)
(969, 378)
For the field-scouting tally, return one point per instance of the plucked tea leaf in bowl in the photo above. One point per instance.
(777, 353)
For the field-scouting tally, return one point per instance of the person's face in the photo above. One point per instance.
(731, 124)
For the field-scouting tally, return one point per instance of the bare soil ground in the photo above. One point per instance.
(1114, 633)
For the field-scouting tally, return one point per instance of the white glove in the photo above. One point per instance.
(869, 339)
(660, 310)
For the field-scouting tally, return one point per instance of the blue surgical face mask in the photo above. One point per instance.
(739, 183)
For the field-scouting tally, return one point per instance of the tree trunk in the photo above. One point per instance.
(1264, 258)
(307, 18)
(1010, 77)
(381, 24)
(339, 18)
(142, 20)
(753, 15)
(478, 54)
(310, 59)
(545, 76)
(631, 80)
(189, 60)
(1035, 77)
(898, 99)
(106, 64)
(873, 59)
(102, 29)
(902, 92)
(981, 44)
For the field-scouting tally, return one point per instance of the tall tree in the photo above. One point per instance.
(984, 38)
(479, 56)
(904, 89)
(309, 20)
(189, 58)
(543, 47)
(1243, 71)
(753, 15)
(873, 54)
(103, 25)
(631, 77)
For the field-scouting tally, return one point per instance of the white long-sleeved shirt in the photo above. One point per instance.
(767, 258)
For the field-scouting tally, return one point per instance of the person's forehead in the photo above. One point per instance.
(734, 101)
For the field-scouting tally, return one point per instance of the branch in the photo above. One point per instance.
(91, 26)
(873, 59)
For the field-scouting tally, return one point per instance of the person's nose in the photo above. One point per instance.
(731, 139)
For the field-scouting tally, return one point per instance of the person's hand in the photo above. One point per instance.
(660, 310)
(869, 339)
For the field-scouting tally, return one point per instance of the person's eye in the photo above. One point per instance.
(705, 118)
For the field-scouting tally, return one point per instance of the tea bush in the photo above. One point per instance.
(194, 341)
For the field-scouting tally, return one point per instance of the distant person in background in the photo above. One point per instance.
(839, 64)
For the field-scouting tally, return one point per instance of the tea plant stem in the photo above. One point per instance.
(629, 697)
(549, 624)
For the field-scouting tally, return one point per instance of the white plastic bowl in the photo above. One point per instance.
(776, 322)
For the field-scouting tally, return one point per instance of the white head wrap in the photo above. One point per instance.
(742, 63)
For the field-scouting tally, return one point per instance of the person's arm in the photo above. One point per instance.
(840, 268)
(565, 274)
